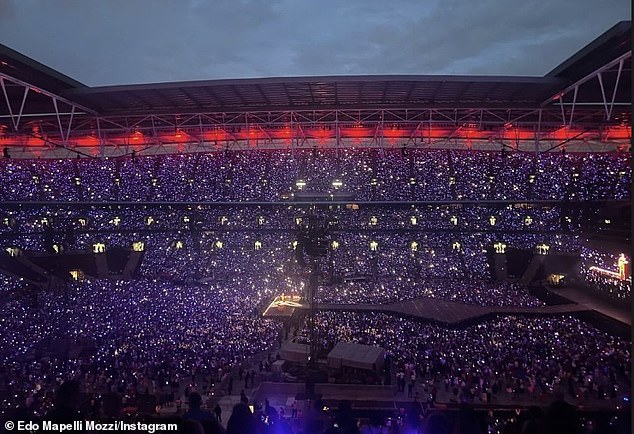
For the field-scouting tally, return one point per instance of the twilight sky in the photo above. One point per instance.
(143, 41)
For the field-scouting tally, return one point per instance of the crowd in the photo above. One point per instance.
(136, 337)
(374, 174)
(523, 356)
(192, 310)
(360, 267)
(479, 292)
(449, 218)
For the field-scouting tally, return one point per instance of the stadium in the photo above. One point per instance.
(336, 254)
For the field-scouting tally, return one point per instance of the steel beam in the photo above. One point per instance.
(51, 95)
(618, 61)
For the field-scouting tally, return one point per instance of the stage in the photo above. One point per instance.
(455, 314)
(283, 307)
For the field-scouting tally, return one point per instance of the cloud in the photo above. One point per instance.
(137, 41)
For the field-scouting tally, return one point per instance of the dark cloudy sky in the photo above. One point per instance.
(138, 41)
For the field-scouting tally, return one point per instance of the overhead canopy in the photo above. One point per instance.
(356, 356)
(586, 100)
(317, 93)
(609, 45)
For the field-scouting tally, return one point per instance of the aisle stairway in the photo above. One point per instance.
(531, 270)
(499, 262)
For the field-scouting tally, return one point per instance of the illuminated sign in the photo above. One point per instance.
(13, 251)
(76, 275)
(98, 248)
(138, 246)
(543, 249)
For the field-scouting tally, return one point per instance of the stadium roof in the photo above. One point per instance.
(318, 93)
(30, 71)
(315, 93)
(40, 106)
(610, 45)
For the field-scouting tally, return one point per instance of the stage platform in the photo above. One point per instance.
(453, 313)
(594, 302)
(283, 307)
